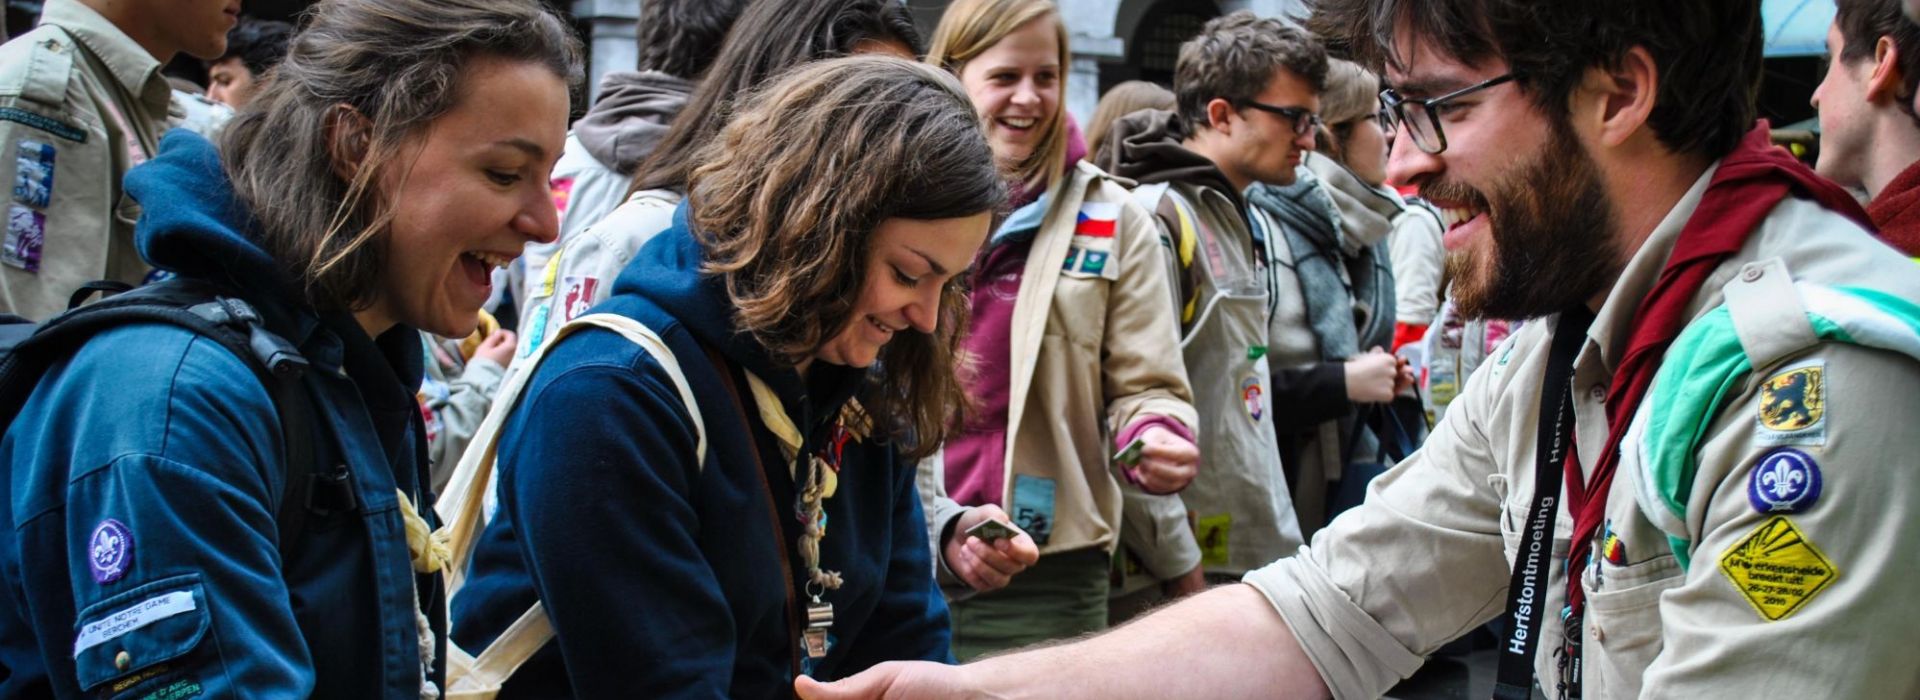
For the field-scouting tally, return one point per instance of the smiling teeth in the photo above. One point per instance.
(876, 322)
(1451, 217)
(490, 259)
(1020, 123)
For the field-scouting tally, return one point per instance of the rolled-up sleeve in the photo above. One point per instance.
(1418, 564)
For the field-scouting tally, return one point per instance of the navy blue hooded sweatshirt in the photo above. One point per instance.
(664, 578)
(141, 557)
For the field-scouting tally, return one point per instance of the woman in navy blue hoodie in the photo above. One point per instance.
(807, 289)
(398, 154)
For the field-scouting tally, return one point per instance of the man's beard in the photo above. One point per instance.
(1551, 225)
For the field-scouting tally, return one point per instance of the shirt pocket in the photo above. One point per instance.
(1623, 621)
(129, 638)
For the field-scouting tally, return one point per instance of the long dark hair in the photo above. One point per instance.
(771, 37)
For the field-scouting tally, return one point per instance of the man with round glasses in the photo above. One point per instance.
(1247, 91)
(1690, 477)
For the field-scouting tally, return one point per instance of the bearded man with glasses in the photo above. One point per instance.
(1691, 477)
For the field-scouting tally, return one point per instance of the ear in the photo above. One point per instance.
(348, 135)
(1220, 115)
(1615, 103)
(1887, 80)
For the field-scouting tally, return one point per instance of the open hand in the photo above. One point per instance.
(893, 680)
(987, 566)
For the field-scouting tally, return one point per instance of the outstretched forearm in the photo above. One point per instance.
(1225, 643)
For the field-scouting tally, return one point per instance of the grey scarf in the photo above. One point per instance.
(1346, 319)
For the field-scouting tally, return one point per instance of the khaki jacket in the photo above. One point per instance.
(1092, 352)
(1240, 505)
(80, 103)
(1429, 555)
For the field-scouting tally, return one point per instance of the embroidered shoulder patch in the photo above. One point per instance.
(33, 174)
(1793, 406)
(1777, 569)
(109, 551)
(43, 123)
(1212, 532)
(1785, 481)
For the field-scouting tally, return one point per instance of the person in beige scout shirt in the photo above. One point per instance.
(81, 101)
(1734, 361)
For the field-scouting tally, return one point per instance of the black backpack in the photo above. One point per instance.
(28, 349)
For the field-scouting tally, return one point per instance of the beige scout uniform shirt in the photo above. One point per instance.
(1092, 352)
(80, 103)
(1428, 556)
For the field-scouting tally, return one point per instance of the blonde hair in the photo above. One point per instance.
(1352, 94)
(1122, 100)
(971, 27)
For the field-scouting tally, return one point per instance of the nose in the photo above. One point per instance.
(1407, 164)
(539, 220)
(924, 313)
(1025, 94)
(1306, 141)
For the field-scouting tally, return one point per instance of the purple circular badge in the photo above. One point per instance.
(109, 551)
(1785, 481)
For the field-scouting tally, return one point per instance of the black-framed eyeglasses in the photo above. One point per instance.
(1303, 120)
(1422, 117)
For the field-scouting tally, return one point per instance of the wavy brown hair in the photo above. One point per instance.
(396, 64)
(786, 199)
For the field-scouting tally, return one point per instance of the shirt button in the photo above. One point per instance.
(122, 660)
(1753, 273)
(1597, 393)
(1598, 634)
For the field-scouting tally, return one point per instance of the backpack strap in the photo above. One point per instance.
(1183, 237)
(462, 506)
(209, 311)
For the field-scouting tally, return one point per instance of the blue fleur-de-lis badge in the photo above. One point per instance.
(1785, 480)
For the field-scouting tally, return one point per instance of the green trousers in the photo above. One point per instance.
(1063, 595)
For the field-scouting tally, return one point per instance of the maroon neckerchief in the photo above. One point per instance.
(1750, 181)
(1897, 211)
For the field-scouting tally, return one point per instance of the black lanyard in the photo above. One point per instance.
(1532, 566)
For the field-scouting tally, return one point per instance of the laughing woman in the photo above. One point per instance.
(821, 236)
(1074, 280)
(158, 542)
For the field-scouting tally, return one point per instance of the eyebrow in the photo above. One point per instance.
(938, 269)
(532, 149)
(1430, 87)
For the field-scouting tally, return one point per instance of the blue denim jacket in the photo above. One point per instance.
(141, 556)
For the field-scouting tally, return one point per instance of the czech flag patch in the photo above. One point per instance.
(1097, 219)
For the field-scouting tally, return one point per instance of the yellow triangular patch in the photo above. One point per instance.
(1777, 568)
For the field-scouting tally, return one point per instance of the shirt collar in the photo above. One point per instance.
(128, 62)
(1613, 325)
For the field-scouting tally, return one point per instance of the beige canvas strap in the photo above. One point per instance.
(471, 677)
